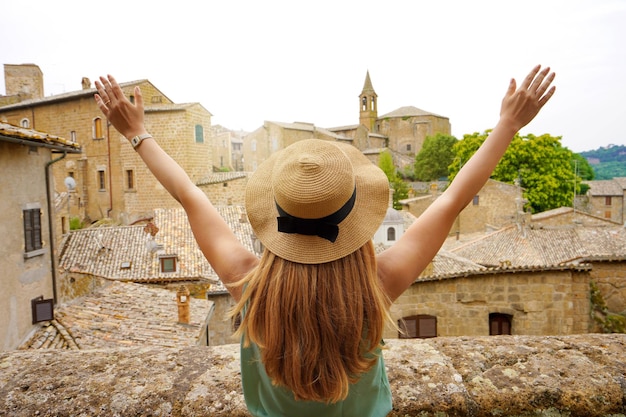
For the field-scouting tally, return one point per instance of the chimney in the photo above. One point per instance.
(86, 83)
(182, 299)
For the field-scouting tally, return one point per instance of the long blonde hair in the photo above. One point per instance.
(317, 326)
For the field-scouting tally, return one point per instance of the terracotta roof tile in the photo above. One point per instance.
(604, 187)
(130, 253)
(122, 314)
(517, 247)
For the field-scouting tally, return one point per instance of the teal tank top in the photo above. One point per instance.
(369, 397)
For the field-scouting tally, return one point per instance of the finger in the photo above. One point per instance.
(543, 100)
(512, 87)
(138, 97)
(530, 77)
(545, 84)
(101, 104)
(118, 94)
(537, 82)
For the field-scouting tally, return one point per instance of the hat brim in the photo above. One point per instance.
(370, 208)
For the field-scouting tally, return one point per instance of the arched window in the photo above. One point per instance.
(391, 234)
(97, 128)
(25, 123)
(199, 134)
(364, 103)
(253, 146)
(500, 323)
(420, 326)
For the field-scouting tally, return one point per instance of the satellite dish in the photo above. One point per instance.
(70, 183)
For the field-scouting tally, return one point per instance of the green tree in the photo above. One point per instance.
(400, 188)
(541, 165)
(437, 153)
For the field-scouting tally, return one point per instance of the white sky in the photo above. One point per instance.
(248, 61)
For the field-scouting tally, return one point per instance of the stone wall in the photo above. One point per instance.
(539, 303)
(521, 376)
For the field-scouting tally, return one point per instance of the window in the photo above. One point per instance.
(608, 200)
(132, 98)
(73, 136)
(101, 181)
(130, 179)
(25, 123)
(408, 147)
(391, 234)
(500, 323)
(32, 230)
(168, 263)
(364, 103)
(97, 128)
(607, 214)
(253, 146)
(199, 134)
(476, 200)
(420, 326)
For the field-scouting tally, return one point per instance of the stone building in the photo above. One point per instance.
(402, 132)
(605, 198)
(111, 180)
(497, 204)
(28, 252)
(273, 136)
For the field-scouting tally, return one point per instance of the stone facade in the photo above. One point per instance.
(26, 263)
(545, 302)
(273, 136)
(225, 188)
(111, 180)
(606, 199)
(496, 205)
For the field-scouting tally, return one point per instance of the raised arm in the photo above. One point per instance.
(401, 264)
(227, 256)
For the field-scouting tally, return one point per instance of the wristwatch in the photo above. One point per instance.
(136, 141)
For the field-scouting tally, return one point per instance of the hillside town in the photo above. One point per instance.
(97, 254)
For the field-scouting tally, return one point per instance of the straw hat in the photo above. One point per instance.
(316, 201)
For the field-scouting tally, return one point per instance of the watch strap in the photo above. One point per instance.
(136, 140)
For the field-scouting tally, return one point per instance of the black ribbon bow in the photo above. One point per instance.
(325, 227)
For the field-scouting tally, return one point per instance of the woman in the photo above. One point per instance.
(315, 304)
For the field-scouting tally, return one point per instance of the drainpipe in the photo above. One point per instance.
(51, 227)
(110, 174)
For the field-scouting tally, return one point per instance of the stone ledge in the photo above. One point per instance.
(583, 375)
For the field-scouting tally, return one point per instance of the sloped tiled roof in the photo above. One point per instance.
(122, 315)
(604, 188)
(89, 92)
(517, 247)
(219, 177)
(36, 138)
(309, 127)
(408, 111)
(127, 253)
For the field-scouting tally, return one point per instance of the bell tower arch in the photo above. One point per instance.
(368, 104)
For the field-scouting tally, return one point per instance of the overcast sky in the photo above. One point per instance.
(250, 61)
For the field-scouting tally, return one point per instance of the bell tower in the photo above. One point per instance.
(368, 105)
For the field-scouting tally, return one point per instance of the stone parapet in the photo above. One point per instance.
(582, 375)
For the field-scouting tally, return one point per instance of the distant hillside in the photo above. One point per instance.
(607, 162)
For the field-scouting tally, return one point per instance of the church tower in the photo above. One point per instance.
(368, 105)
